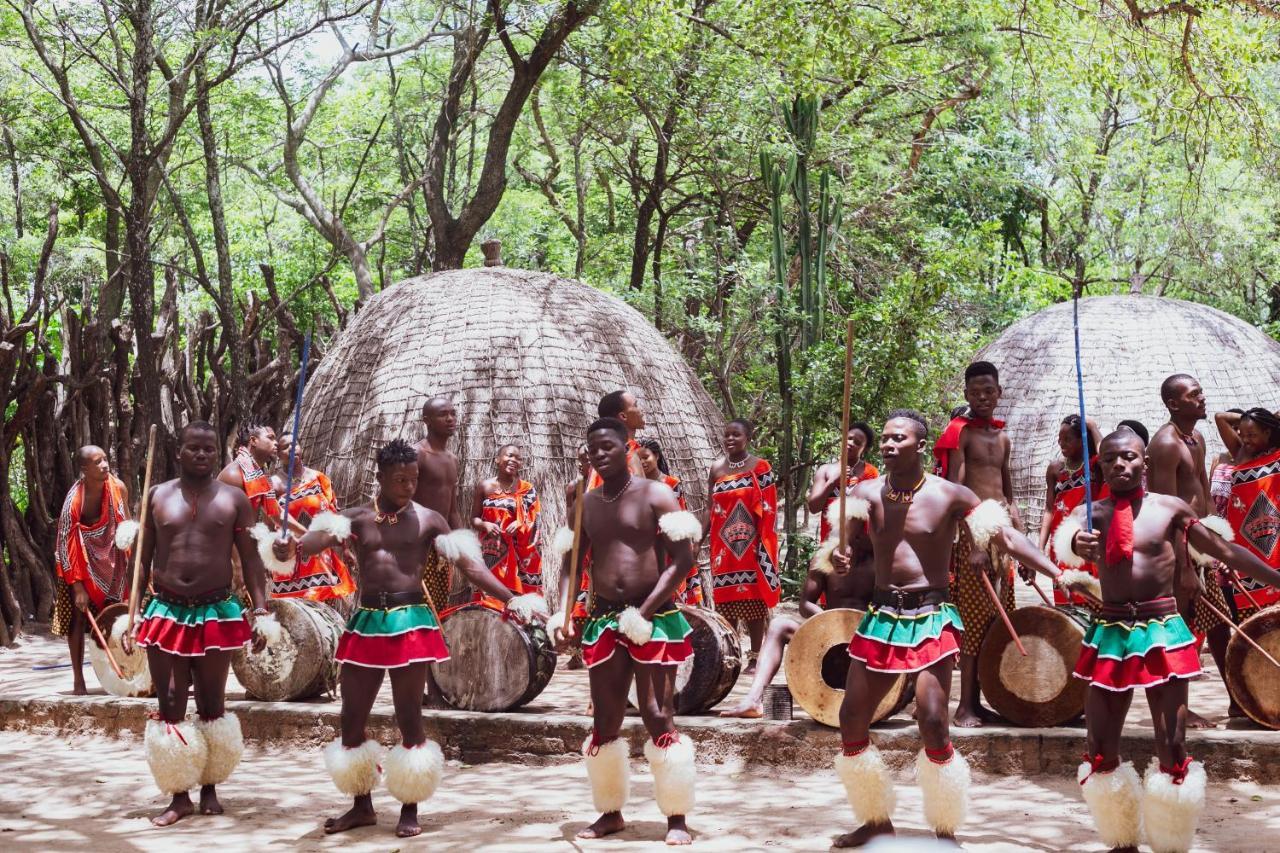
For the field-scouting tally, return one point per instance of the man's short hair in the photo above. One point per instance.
(1123, 434)
(612, 424)
(863, 428)
(913, 416)
(82, 455)
(1137, 428)
(981, 368)
(397, 451)
(747, 426)
(1169, 387)
(612, 404)
(431, 403)
(199, 426)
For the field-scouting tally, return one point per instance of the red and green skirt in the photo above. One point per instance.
(909, 640)
(388, 638)
(1123, 654)
(192, 630)
(668, 646)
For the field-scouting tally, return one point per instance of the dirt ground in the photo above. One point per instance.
(95, 794)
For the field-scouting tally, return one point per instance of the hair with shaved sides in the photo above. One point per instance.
(917, 420)
(612, 424)
(1169, 387)
(396, 452)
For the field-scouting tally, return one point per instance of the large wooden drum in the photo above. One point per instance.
(114, 621)
(1039, 689)
(495, 663)
(1252, 680)
(817, 667)
(300, 664)
(706, 678)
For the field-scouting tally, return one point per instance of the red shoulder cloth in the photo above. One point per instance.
(950, 440)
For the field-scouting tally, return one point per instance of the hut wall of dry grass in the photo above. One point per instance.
(1129, 344)
(525, 357)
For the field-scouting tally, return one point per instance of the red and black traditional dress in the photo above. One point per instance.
(257, 486)
(744, 543)
(89, 554)
(325, 576)
(690, 589)
(513, 556)
(869, 472)
(1068, 493)
(1254, 515)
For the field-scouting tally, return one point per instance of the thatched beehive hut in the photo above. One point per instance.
(1129, 344)
(524, 356)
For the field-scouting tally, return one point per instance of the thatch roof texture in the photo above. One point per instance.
(1129, 344)
(525, 357)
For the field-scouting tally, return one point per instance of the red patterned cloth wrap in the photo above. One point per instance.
(1254, 514)
(257, 485)
(668, 646)
(191, 630)
(1068, 493)
(1142, 644)
(897, 640)
(88, 553)
(690, 589)
(325, 576)
(514, 555)
(387, 638)
(950, 440)
(744, 537)
(869, 472)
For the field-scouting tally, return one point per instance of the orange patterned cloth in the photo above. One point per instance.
(257, 485)
(1068, 493)
(324, 576)
(869, 472)
(88, 554)
(744, 537)
(513, 556)
(690, 589)
(1254, 514)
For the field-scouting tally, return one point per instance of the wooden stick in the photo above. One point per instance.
(1235, 577)
(571, 589)
(1039, 591)
(135, 591)
(844, 429)
(111, 659)
(1004, 617)
(1234, 627)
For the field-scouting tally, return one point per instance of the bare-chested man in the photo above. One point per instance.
(1139, 640)
(394, 630)
(194, 622)
(974, 451)
(438, 488)
(1177, 467)
(911, 627)
(642, 546)
(255, 451)
(94, 537)
(562, 544)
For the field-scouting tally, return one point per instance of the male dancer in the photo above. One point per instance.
(1139, 640)
(394, 630)
(911, 627)
(623, 407)
(974, 451)
(92, 560)
(642, 546)
(1177, 467)
(194, 622)
(255, 450)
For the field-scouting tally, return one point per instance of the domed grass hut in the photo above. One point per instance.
(1129, 344)
(525, 357)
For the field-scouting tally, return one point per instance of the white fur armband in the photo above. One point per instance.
(635, 627)
(460, 544)
(1214, 524)
(822, 557)
(985, 521)
(523, 607)
(126, 533)
(562, 544)
(1081, 579)
(853, 508)
(554, 621)
(337, 526)
(279, 569)
(1062, 539)
(680, 526)
(269, 627)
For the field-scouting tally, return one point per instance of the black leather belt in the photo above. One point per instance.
(909, 599)
(603, 607)
(213, 596)
(387, 600)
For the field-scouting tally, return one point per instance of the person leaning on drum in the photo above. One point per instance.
(823, 589)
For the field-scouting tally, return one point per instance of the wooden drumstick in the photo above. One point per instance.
(1004, 617)
(1040, 592)
(1239, 581)
(1234, 627)
(111, 659)
(134, 592)
(571, 589)
(844, 429)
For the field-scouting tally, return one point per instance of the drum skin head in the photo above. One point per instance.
(817, 663)
(1037, 690)
(1252, 680)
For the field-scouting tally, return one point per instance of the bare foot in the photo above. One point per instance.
(408, 826)
(79, 689)
(575, 662)
(1195, 721)
(360, 814)
(966, 719)
(751, 667)
(746, 710)
(677, 833)
(864, 833)
(179, 808)
(209, 800)
(607, 824)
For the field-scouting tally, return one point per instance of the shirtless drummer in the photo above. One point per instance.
(642, 546)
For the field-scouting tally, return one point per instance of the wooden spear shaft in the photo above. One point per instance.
(571, 589)
(135, 591)
(844, 428)
(1004, 617)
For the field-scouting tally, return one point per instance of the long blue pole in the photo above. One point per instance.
(1084, 427)
(297, 418)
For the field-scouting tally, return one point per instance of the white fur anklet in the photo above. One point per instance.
(635, 627)
(1081, 578)
(176, 754)
(1171, 811)
(946, 791)
(1113, 798)
(610, 774)
(868, 785)
(354, 771)
(674, 777)
(412, 774)
(225, 743)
